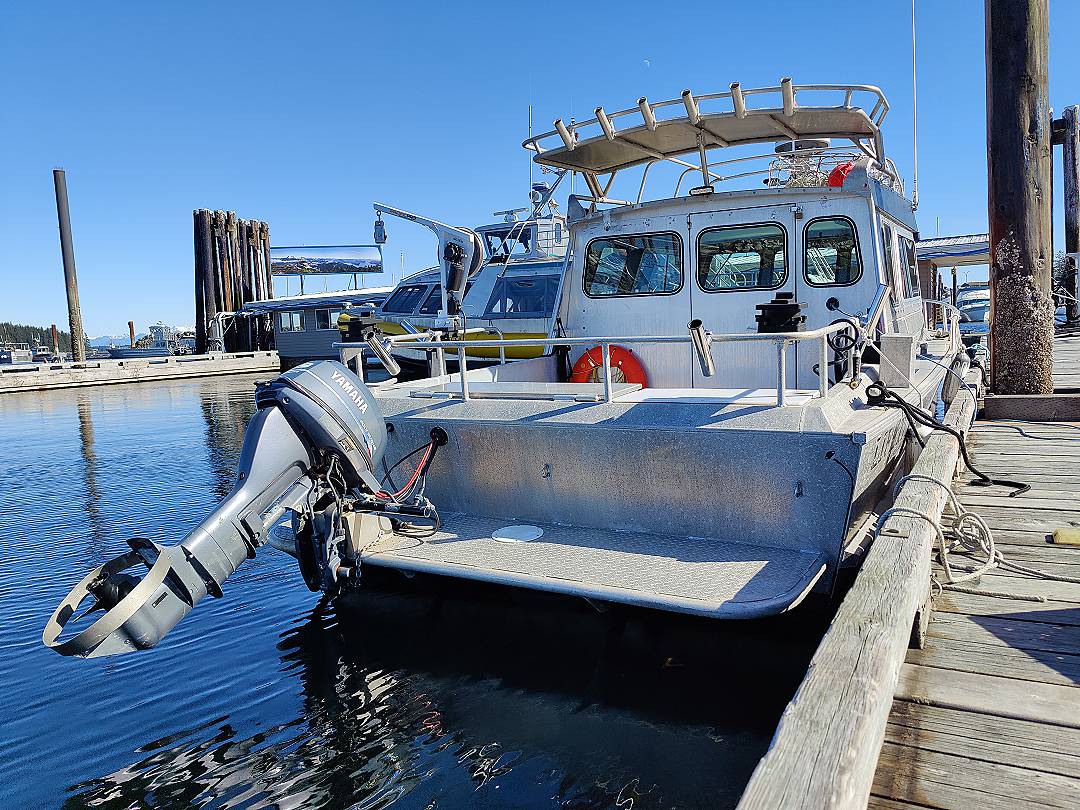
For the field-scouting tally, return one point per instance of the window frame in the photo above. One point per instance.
(331, 323)
(591, 242)
(806, 253)
(913, 282)
(283, 330)
(697, 245)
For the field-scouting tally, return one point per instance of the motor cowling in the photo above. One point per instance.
(336, 412)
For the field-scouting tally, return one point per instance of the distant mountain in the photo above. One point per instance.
(113, 340)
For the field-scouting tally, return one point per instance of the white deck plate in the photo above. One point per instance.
(702, 576)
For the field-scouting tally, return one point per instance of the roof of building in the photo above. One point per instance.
(339, 298)
(955, 251)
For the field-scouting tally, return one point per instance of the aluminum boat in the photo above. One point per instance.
(696, 434)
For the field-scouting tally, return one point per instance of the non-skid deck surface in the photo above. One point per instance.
(988, 714)
(690, 575)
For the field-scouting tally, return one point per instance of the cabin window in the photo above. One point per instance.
(434, 301)
(326, 319)
(290, 321)
(648, 264)
(532, 297)
(831, 252)
(742, 257)
(405, 298)
(896, 279)
(907, 257)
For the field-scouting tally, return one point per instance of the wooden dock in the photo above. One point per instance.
(986, 713)
(46, 376)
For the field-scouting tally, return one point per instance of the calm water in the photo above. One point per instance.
(404, 694)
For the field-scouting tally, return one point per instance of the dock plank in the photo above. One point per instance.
(1047, 703)
(987, 659)
(934, 779)
(1004, 631)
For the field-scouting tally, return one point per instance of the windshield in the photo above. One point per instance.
(503, 242)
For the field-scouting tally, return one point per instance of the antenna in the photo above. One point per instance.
(530, 156)
(914, 119)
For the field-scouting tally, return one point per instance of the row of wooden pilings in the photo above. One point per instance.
(232, 268)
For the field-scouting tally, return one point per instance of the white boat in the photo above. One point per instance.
(511, 296)
(720, 442)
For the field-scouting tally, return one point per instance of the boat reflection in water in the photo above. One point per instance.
(472, 695)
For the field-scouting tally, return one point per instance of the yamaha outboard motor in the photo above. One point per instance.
(311, 450)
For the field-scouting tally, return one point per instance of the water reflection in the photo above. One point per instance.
(446, 695)
(91, 493)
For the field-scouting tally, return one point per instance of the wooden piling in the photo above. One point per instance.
(235, 275)
(264, 235)
(1018, 162)
(221, 263)
(78, 341)
(1070, 151)
(200, 305)
(206, 285)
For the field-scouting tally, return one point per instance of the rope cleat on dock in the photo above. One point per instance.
(310, 451)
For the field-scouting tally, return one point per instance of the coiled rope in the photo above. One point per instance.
(966, 533)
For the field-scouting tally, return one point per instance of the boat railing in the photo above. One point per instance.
(802, 168)
(781, 341)
(780, 98)
(774, 106)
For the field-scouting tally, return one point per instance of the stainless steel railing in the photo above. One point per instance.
(780, 340)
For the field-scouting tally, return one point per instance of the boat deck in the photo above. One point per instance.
(695, 575)
(988, 713)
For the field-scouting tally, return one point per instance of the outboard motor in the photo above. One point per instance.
(311, 450)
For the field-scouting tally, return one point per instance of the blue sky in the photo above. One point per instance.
(303, 114)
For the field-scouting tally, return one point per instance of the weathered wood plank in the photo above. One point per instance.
(968, 604)
(1052, 704)
(991, 749)
(1026, 586)
(1039, 489)
(935, 779)
(882, 803)
(1029, 500)
(1009, 632)
(975, 726)
(987, 659)
(1037, 519)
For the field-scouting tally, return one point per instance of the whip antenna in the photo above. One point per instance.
(914, 119)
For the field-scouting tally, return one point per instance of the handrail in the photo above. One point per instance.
(781, 340)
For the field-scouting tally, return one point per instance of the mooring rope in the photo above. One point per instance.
(966, 533)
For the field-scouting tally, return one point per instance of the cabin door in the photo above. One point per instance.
(741, 258)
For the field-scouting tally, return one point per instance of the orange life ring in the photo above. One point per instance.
(624, 367)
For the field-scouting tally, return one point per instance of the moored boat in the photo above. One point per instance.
(703, 431)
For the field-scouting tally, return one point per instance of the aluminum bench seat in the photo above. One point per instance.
(703, 576)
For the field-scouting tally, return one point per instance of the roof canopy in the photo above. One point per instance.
(955, 251)
(667, 130)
